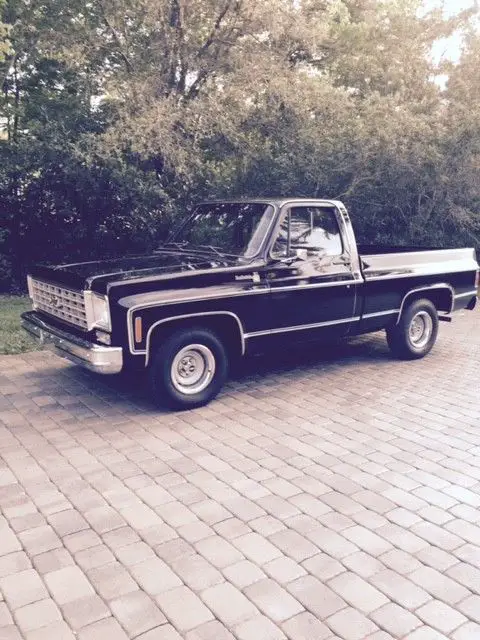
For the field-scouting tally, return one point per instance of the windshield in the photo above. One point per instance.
(232, 228)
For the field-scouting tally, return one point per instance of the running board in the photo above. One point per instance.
(445, 318)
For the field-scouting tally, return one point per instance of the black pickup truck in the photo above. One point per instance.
(240, 277)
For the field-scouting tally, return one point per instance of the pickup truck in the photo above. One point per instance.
(239, 278)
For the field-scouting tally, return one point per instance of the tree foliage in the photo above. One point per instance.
(116, 115)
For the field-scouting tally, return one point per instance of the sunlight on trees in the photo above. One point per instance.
(116, 115)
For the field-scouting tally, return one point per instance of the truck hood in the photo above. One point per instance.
(97, 275)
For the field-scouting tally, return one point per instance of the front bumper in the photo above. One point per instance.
(95, 357)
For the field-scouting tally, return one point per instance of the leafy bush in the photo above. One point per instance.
(116, 116)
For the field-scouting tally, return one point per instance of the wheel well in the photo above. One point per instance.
(441, 297)
(225, 326)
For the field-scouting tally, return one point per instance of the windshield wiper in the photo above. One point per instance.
(214, 249)
(199, 247)
(177, 245)
(218, 251)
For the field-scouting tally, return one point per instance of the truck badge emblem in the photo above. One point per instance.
(254, 277)
(55, 302)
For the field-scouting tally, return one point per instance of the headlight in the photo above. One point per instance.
(98, 312)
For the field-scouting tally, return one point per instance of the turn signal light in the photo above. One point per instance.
(138, 329)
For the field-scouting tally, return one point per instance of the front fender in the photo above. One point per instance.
(148, 312)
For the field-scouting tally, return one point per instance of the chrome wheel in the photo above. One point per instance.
(192, 369)
(420, 329)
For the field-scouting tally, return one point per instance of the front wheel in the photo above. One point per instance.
(416, 332)
(188, 369)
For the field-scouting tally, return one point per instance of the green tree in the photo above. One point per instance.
(462, 140)
(117, 114)
(57, 199)
(4, 33)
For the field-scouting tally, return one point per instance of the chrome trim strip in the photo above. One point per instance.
(349, 232)
(195, 315)
(440, 285)
(421, 252)
(417, 274)
(319, 285)
(97, 358)
(380, 313)
(300, 327)
(466, 294)
(310, 202)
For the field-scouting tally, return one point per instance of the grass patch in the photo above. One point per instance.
(14, 339)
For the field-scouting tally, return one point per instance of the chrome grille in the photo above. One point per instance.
(64, 304)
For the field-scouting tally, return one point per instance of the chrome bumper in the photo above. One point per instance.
(94, 357)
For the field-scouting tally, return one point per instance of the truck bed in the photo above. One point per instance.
(386, 261)
(372, 249)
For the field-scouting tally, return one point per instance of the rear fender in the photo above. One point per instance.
(442, 295)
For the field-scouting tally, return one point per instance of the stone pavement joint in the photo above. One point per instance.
(329, 494)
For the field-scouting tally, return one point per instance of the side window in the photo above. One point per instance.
(280, 248)
(314, 229)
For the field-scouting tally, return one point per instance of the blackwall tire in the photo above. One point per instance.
(188, 369)
(416, 332)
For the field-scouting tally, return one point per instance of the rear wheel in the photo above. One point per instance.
(416, 332)
(188, 369)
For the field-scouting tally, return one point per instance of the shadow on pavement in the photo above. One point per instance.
(131, 389)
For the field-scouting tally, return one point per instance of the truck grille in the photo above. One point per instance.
(64, 304)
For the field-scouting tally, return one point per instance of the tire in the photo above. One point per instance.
(188, 369)
(416, 332)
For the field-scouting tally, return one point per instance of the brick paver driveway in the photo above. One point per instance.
(338, 498)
